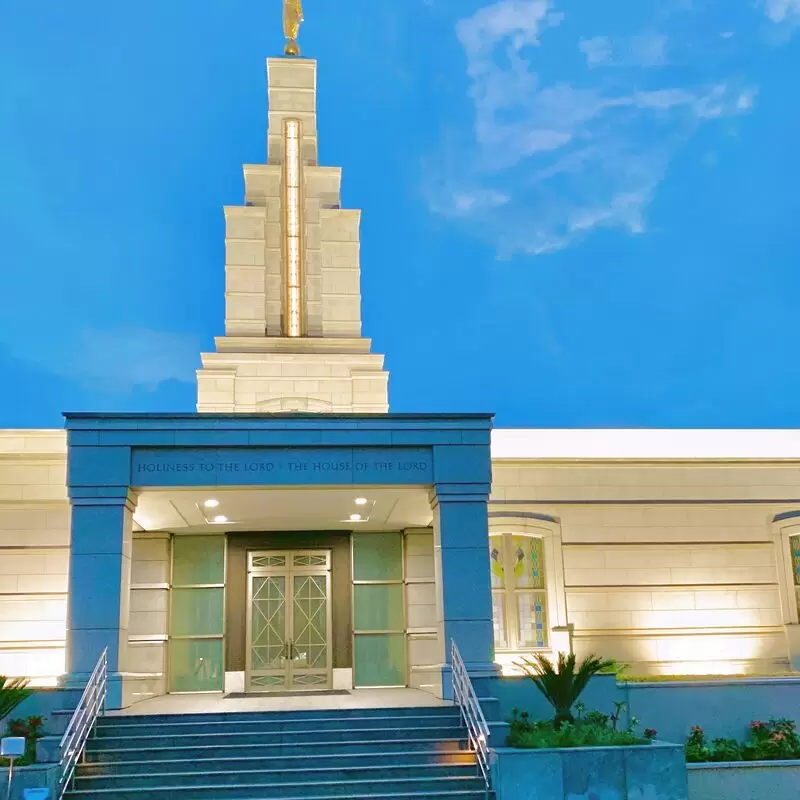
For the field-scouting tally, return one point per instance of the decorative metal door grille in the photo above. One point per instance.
(289, 621)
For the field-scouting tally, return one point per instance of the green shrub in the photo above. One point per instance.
(12, 692)
(562, 684)
(30, 729)
(776, 740)
(593, 730)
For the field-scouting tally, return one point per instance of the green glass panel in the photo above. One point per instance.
(310, 621)
(377, 556)
(196, 665)
(378, 608)
(380, 660)
(197, 612)
(198, 560)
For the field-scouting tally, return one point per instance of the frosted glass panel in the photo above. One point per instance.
(378, 608)
(380, 660)
(499, 619)
(198, 560)
(196, 665)
(197, 612)
(532, 619)
(377, 557)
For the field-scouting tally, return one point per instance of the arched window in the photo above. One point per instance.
(519, 592)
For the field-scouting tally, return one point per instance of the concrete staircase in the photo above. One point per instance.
(391, 754)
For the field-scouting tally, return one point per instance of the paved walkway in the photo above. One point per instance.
(217, 703)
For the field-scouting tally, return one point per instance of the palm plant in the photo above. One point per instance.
(12, 692)
(562, 684)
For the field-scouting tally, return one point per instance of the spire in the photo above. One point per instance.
(293, 338)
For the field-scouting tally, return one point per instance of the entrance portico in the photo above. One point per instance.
(326, 573)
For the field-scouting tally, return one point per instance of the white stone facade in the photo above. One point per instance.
(675, 566)
(257, 367)
(34, 552)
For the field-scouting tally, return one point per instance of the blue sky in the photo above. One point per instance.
(575, 214)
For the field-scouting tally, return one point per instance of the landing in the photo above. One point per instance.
(217, 703)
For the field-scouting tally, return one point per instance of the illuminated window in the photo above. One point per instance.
(519, 592)
(794, 544)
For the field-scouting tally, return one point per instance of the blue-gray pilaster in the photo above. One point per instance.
(461, 532)
(102, 506)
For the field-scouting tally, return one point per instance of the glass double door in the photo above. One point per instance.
(289, 621)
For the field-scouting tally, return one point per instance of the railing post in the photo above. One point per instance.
(471, 714)
(82, 724)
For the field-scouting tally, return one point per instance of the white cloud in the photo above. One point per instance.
(597, 50)
(649, 50)
(552, 159)
(782, 10)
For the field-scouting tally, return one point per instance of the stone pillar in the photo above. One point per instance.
(464, 594)
(99, 586)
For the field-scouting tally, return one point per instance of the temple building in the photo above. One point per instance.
(295, 535)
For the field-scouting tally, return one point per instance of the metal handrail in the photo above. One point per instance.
(91, 706)
(471, 713)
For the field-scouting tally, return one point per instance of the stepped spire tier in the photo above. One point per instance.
(292, 299)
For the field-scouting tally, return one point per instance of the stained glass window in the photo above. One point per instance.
(794, 543)
(519, 592)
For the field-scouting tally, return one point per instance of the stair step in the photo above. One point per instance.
(255, 750)
(453, 794)
(339, 713)
(411, 787)
(270, 738)
(257, 777)
(288, 762)
(111, 729)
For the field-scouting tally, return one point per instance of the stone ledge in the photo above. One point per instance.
(754, 780)
(655, 771)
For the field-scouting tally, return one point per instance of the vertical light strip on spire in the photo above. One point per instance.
(293, 228)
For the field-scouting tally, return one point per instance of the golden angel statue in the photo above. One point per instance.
(292, 19)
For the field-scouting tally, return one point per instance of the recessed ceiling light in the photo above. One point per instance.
(361, 501)
(220, 518)
(211, 503)
(355, 518)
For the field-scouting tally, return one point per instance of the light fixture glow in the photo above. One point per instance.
(361, 501)
(293, 229)
(355, 518)
(211, 503)
(220, 518)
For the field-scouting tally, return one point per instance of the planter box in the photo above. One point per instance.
(745, 780)
(641, 772)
